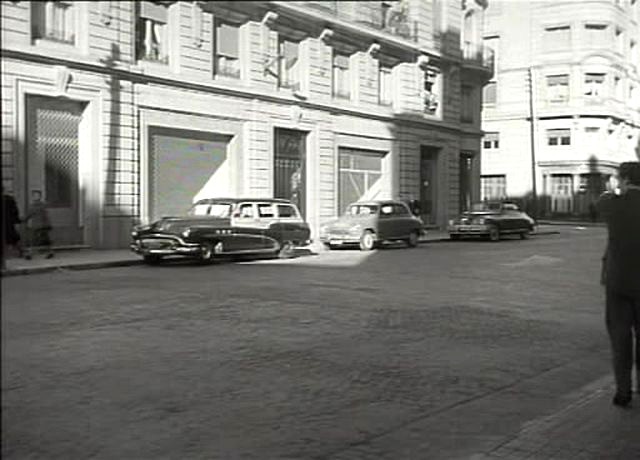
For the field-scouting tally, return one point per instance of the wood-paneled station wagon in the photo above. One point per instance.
(369, 224)
(224, 226)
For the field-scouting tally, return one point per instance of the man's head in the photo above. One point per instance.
(36, 195)
(629, 174)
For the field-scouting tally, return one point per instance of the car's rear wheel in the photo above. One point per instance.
(152, 259)
(494, 233)
(286, 250)
(412, 241)
(367, 241)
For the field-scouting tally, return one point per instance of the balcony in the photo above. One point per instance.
(477, 56)
(392, 20)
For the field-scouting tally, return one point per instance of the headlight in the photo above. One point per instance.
(186, 233)
(452, 222)
(479, 221)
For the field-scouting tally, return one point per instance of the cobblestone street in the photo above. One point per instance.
(445, 351)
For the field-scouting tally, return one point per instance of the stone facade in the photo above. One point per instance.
(124, 111)
(575, 66)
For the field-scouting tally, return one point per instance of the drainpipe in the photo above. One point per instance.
(534, 209)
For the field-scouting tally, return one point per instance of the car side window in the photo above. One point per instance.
(400, 210)
(265, 210)
(286, 211)
(386, 210)
(246, 211)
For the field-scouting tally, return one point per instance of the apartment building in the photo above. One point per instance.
(563, 106)
(122, 111)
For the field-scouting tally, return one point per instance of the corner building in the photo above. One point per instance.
(568, 72)
(122, 112)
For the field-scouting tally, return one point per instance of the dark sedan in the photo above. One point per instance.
(492, 220)
(370, 223)
(224, 226)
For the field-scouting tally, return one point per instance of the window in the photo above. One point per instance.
(400, 210)
(558, 88)
(557, 38)
(595, 35)
(491, 45)
(246, 211)
(151, 32)
(265, 210)
(286, 211)
(619, 89)
(359, 172)
(558, 137)
(633, 49)
(226, 51)
(466, 112)
(289, 65)
(491, 141)
(489, 93)
(593, 84)
(429, 93)
(385, 86)
(341, 77)
(620, 41)
(54, 21)
(493, 187)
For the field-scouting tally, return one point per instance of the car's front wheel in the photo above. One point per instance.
(525, 234)
(494, 233)
(412, 241)
(286, 250)
(208, 252)
(367, 241)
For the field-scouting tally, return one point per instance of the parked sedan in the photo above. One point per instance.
(368, 224)
(492, 220)
(224, 226)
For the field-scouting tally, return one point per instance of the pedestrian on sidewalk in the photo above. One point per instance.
(621, 277)
(10, 218)
(39, 226)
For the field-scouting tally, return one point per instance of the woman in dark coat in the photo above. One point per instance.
(10, 218)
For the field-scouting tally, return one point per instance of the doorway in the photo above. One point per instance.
(465, 174)
(52, 159)
(289, 169)
(429, 184)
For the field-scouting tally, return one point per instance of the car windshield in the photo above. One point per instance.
(476, 207)
(362, 209)
(211, 209)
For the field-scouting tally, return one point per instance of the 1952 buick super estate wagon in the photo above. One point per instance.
(224, 226)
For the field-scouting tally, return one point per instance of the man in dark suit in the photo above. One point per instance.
(621, 212)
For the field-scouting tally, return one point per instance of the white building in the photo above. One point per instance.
(584, 62)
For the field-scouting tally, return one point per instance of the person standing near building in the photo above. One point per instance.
(621, 277)
(10, 218)
(39, 225)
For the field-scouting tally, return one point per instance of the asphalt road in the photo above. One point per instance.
(436, 352)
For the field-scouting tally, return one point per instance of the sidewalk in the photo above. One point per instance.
(86, 259)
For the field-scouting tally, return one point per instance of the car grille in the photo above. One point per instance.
(157, 243)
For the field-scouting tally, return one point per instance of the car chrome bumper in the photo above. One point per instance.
(165, 246)
(340, 239)
(469, 229)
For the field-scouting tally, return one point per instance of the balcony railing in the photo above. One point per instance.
(394, 20)
(479, 55)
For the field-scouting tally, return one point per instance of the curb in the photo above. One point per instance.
(72, 266)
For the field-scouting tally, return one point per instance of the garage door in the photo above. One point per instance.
(181, 165)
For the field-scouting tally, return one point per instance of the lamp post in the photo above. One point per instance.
(532, 128)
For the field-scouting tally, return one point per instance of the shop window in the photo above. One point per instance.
(54, 21)
(558, 137)
(341, 77)
(152, 43)
(557, 89)
(360, 170)
(493, 187)
(227, 50)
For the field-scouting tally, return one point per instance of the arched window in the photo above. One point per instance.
(469, 42)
